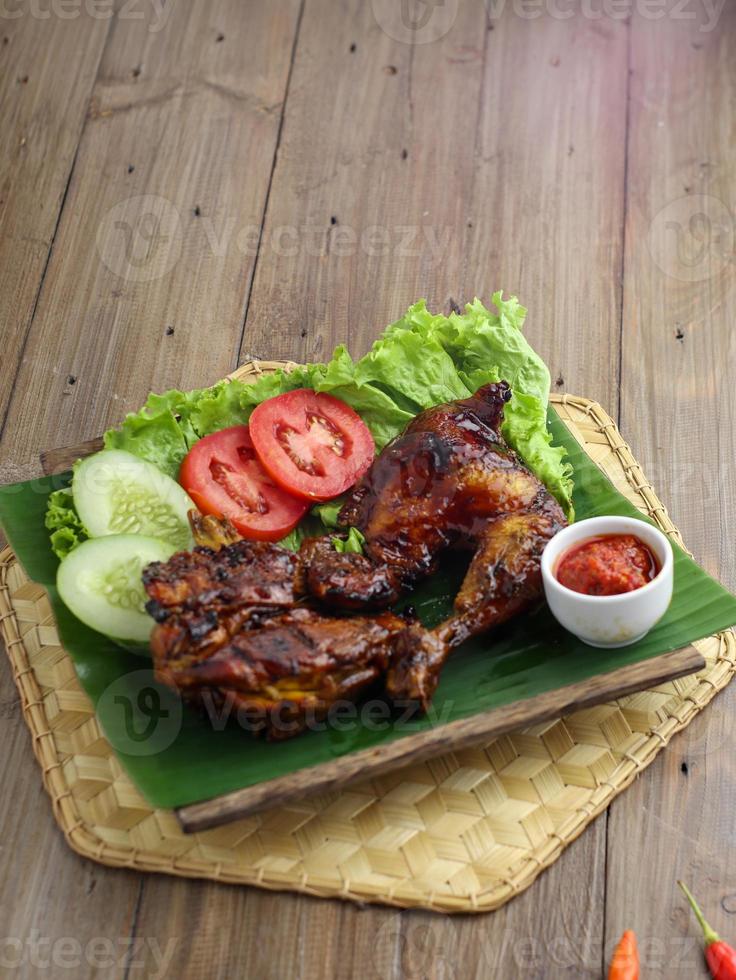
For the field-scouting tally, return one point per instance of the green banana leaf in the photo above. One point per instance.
(178, 755)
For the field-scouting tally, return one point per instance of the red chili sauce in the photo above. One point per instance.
(607, 564)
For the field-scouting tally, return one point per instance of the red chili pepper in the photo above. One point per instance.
(721, 957)
(625, 962)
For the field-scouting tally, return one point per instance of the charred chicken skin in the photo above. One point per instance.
(449, 481)
(229, 634)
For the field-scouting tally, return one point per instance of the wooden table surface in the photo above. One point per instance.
(186, 185)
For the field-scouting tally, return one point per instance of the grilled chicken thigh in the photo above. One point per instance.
(503, 580)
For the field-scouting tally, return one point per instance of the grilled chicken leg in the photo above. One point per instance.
(504, 579)
(450, 480)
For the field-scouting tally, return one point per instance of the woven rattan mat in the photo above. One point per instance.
(464, 832)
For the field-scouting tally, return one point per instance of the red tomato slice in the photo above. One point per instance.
(312, 444)
(223, 476)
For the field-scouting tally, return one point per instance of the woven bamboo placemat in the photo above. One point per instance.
(464, 832)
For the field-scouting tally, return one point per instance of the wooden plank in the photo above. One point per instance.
(678, 360)
(221, 931)
(443, 738)
(193, 120)
(491, 158)
(147, 280)
(259, 934)
(48, 69)
(546, 200)
(315, 938)
(60, 460)
(368, 181)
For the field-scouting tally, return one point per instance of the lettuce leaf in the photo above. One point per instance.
(383, 413)
(328, 512)
(162, 431)
(413, 365)
(352, 543)
(67, 531)
(483, 346)
(421, 360)
(309, 527)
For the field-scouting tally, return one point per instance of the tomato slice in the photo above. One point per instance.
(313, 445)
(223, 476)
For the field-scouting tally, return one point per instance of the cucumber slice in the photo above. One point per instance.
(116, 492)
(100, 582)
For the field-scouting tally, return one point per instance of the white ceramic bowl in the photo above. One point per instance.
(609, 620)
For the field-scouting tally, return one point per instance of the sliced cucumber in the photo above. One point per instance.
(100, 582)
(118, 493)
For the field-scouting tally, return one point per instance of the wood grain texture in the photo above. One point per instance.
(444, 738)
(367, 195)
(154, 250)
(270, 936)
(60, 460)
(491, 158)
(678, 347)
(47, 69)
(543, 189)
(545, 207)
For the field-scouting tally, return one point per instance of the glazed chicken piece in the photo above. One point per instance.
(449, 481)
(503, 580)
(230, 635)
(312, 574)
(281, 671)
(348, 581)
(245, 573)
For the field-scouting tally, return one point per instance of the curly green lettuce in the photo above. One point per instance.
(67, 531)
(481, 346)
(421, 360)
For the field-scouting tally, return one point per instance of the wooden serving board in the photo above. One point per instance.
(444, 738)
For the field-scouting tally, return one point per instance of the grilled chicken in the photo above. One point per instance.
(248, 625)
(503, 580)
(281, 672)
(230, 635)
(348, 581)
(246, 573)
(449, 481)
